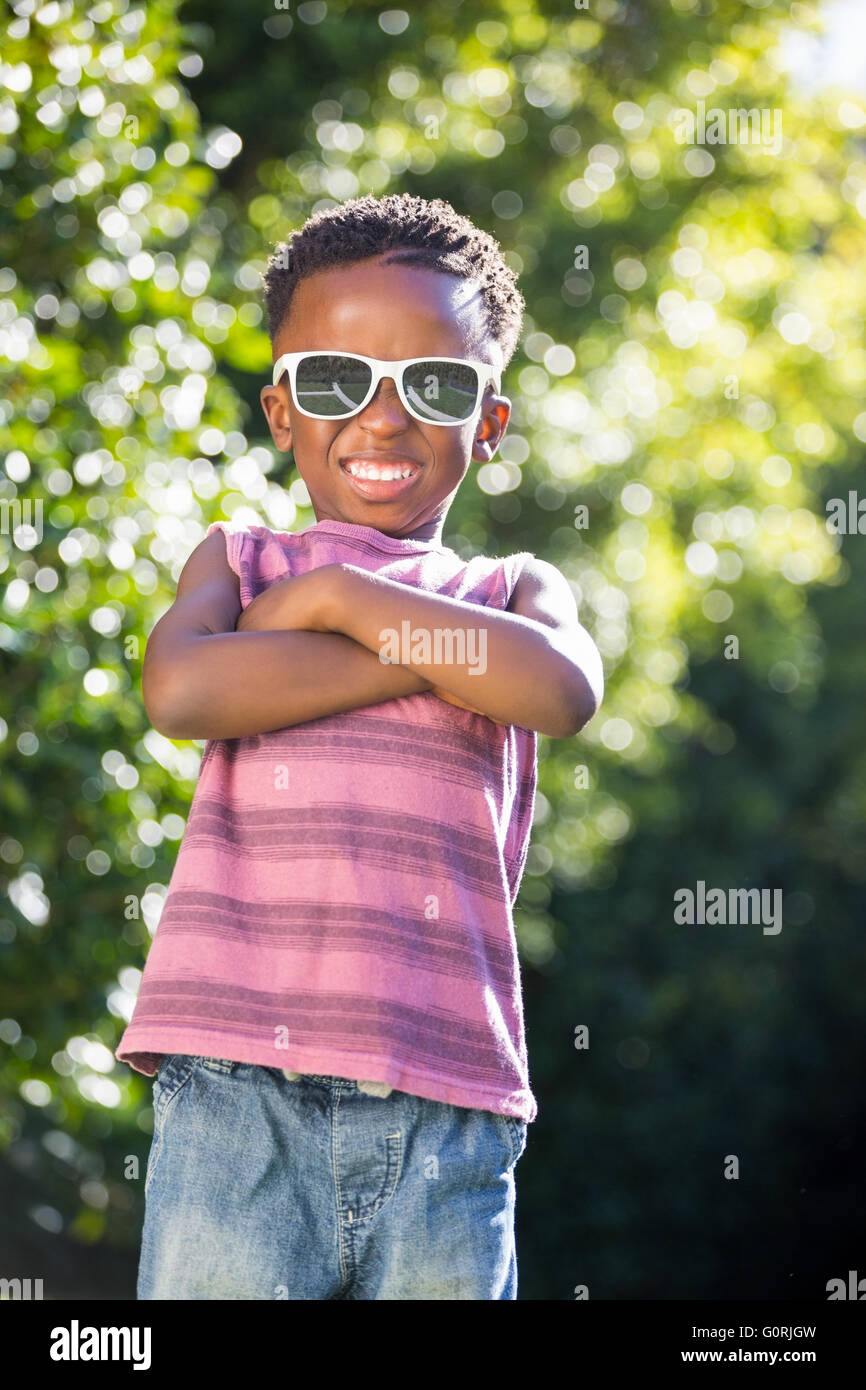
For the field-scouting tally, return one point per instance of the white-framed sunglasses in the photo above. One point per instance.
(336, 385)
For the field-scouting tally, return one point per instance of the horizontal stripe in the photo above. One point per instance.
(442, 947)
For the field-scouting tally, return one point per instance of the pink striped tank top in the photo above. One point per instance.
(342, 898)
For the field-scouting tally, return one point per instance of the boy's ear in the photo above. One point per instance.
(491, 429)
(276, 410)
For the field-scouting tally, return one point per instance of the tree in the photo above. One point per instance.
(686, 403)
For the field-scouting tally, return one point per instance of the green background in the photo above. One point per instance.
(691, 371)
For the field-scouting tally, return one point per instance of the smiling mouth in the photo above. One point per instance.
(382, 479)
(385, 472)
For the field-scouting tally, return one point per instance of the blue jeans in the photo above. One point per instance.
(258, 1187)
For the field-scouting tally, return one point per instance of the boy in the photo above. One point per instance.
(332, 998)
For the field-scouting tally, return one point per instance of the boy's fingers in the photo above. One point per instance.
(452, 700)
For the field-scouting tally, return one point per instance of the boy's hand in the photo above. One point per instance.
(299, 602)
(452, 700)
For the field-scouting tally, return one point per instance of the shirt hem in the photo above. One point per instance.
(145, 1052)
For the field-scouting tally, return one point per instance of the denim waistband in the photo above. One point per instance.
(330, 1081)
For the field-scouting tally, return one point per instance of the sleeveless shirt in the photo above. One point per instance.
(341, 903)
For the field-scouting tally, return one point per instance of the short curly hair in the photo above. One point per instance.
(417, 231)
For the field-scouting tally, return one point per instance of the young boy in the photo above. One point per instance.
(332, 1001)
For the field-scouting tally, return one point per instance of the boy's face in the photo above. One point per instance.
(386, 311)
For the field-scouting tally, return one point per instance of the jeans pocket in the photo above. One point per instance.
(517, 1134)
(172, 1074)
(173, 1071)
(521, 1133)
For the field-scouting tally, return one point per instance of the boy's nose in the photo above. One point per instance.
(386, 397)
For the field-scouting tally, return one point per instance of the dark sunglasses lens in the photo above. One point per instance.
(330, 385)
(442, 392)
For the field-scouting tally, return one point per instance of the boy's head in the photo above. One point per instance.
(391, 278)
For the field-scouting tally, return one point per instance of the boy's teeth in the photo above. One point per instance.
(376, 474)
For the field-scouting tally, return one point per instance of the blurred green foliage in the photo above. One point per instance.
(691, 375)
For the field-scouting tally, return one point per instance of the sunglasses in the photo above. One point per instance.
(336, 385)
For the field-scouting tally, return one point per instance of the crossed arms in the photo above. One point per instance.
(309, 646)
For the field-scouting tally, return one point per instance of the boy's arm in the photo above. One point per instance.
(543, 595)
(202, 679)
(541, 669)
